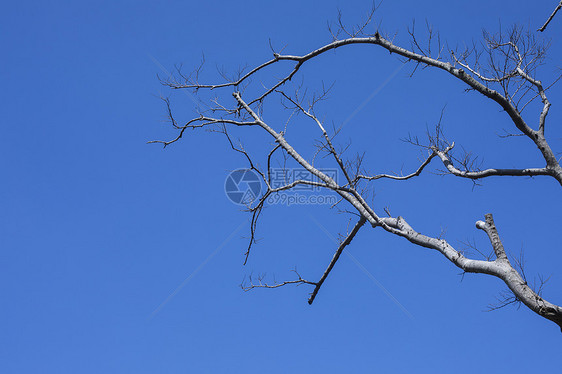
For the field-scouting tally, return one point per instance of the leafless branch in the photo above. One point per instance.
(543, 27)
(250, 285)
(400, 177)
(337, 255)
(443, 155)
(507, 78)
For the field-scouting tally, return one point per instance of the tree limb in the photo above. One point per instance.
(488, 172)
(543, 27)
(516, 59)
(337, 255)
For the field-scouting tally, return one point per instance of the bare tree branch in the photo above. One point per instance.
(260, 284)
(337, 255)
(473, 82)
(488, 172)
(508, 79)
(543, 27)
(400, 177)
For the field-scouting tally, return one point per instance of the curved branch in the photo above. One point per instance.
(515, 281)
(488, 172)
(397, 177)
(499, 268)
(537, 136)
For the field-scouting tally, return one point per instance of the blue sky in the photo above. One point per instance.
(99, 229)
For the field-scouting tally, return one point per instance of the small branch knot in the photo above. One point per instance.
(481, 225)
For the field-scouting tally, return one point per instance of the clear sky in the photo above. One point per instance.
(121, 257)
